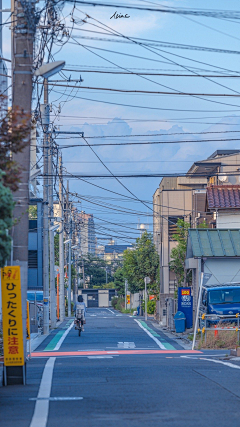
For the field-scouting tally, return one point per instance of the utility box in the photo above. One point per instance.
(180, 322)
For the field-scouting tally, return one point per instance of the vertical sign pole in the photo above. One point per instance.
(145, 281)
(197, 314)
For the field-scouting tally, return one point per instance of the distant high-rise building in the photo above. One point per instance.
(87, 233)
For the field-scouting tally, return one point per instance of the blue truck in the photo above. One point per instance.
(220, 300)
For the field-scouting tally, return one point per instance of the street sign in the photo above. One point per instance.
(12, 316)
(185, 305)
(128, 299)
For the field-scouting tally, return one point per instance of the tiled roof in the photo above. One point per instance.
(213, 243)
(223, 196)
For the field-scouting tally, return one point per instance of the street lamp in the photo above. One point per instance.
(46, 71)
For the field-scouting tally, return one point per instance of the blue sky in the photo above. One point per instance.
(102, 119)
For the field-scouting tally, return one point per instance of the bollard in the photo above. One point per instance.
(215, 332)
(205, 327)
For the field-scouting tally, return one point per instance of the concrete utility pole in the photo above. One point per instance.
(51, 241)
(44, 108)
(61, 245)
(70, 267)
(23, 29)
(46, 71)
(83, 273)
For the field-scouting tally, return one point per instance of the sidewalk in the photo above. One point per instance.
(37, 339)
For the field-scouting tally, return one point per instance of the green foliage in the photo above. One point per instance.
(95, 270)
(114, 301)
(119, 281)
(140, 262)
(32, 212)
(6, 210)
(203, 224)
(178, 254)
(15, 127)
(151, 307)
(120, 304)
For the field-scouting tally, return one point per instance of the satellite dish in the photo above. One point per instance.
(223, 178)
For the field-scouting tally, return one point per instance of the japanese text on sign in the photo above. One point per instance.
(12, 316)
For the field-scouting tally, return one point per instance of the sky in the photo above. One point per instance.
(101, 113)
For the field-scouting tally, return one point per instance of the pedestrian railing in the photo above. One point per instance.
(218, 326)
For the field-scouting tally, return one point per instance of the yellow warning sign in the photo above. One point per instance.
(128, 299)
(12, 316)
(28, 322)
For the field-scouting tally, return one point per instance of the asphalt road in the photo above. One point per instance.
(122, 373)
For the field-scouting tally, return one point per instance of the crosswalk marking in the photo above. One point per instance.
(122, 344)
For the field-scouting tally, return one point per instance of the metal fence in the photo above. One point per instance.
(217, 324)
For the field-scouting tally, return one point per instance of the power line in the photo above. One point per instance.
(228, 14)
(150, 92)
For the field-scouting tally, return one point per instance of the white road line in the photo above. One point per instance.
(54, 399)
(230, 365)
(100, 357)
(110, 310)
(40, 415)
(58, 345)
(151, 336)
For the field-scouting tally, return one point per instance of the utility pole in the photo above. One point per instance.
(46, 71)
(70, 267)
(23, 29)
(83, 274)
(51, 241)
(61, 245)
(44, 108)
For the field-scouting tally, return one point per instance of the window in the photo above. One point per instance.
(224, 296)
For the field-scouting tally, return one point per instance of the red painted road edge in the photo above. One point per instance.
(102, 353)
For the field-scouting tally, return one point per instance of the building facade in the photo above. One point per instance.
(185, 197)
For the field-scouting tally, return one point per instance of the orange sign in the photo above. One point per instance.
(151, 297)
(128, 299)
(12, 316)
(185, 292)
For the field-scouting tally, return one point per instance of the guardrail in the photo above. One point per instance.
(218, 318)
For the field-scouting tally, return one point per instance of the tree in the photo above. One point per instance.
(6, 209)
(14, 130)
(95, 270)
(119, 281)
(139, 262)
(178, 254)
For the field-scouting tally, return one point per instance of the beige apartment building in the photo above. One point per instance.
(185, 197)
